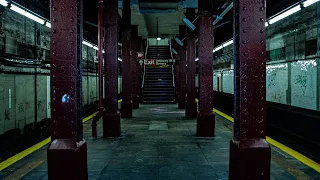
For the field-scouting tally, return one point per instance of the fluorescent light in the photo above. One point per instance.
(48, 24)
(35, 18)
(119, 59)
(197, 59)
(174, 51)
(17, 9)
(227, 43)
(159, 38)
(309, 2)
(95, 47)
(87, 44)
(217, 48)
(266, 24)
(189, 24)
(4, 3)
(103, 51)
(285, 14)
(26, 14)
(178, 41)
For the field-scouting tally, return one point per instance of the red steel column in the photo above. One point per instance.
(100, 59)
(67, 152)
(183, 69)
(135, 65)
(111, 119)
(206, 117)
(126, 105)
(191, 104)
(249, 152)
(139, 82)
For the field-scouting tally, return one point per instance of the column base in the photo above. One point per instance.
(135, 101)
(249, 159)
(181, 103)
(67, 160)
(126, 109)
(191, 110)
(112, 125)
(206, 124)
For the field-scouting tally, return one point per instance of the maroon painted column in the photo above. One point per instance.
(139, 75)
(249, 152)
(191, 104)
(100, 59)
(67, 152)
(183, 70)
(135, 65)
(126, 104)
(111, 119)
(206, 117)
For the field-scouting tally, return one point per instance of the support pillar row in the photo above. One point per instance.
(67, 152)
(111, 119)
(249, 151)
(206, 117)
(135, 65)
(191, 104)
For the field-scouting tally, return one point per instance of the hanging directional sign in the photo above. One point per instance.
(140, 55)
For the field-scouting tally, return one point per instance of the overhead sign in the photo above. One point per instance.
(150, 62)
(140, 55)
(154, 62)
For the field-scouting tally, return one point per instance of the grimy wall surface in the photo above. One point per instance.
(293, 68)
(24, 72)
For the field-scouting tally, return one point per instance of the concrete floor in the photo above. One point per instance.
(159, 144)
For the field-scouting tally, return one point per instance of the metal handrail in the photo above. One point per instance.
(173, 83)
(144, 66)
(144, 74)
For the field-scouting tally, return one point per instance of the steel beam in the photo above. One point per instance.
(206, 117)
(111, 119)
(249, 152)
(191, 104)
(183, 70)
(135, 65)
(67, 152)
(126, 105)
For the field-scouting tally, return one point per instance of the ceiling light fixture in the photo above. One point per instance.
(285, 14)
(309, 2)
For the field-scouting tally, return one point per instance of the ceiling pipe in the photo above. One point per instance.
(225, 11)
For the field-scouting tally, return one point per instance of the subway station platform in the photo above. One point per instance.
(159, 144)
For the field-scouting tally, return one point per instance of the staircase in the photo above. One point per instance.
(158, 85)
(158, 52)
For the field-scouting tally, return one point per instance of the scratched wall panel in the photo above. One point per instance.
(7, 103)
(93, 89)
(228, 86)
(8, 109)
(41, 97)
(303, 84)
(216, 78)
(277, 83)
(25, 92)
(48, 97)
(84, 90)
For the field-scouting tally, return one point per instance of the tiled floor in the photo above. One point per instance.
(160, 144)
